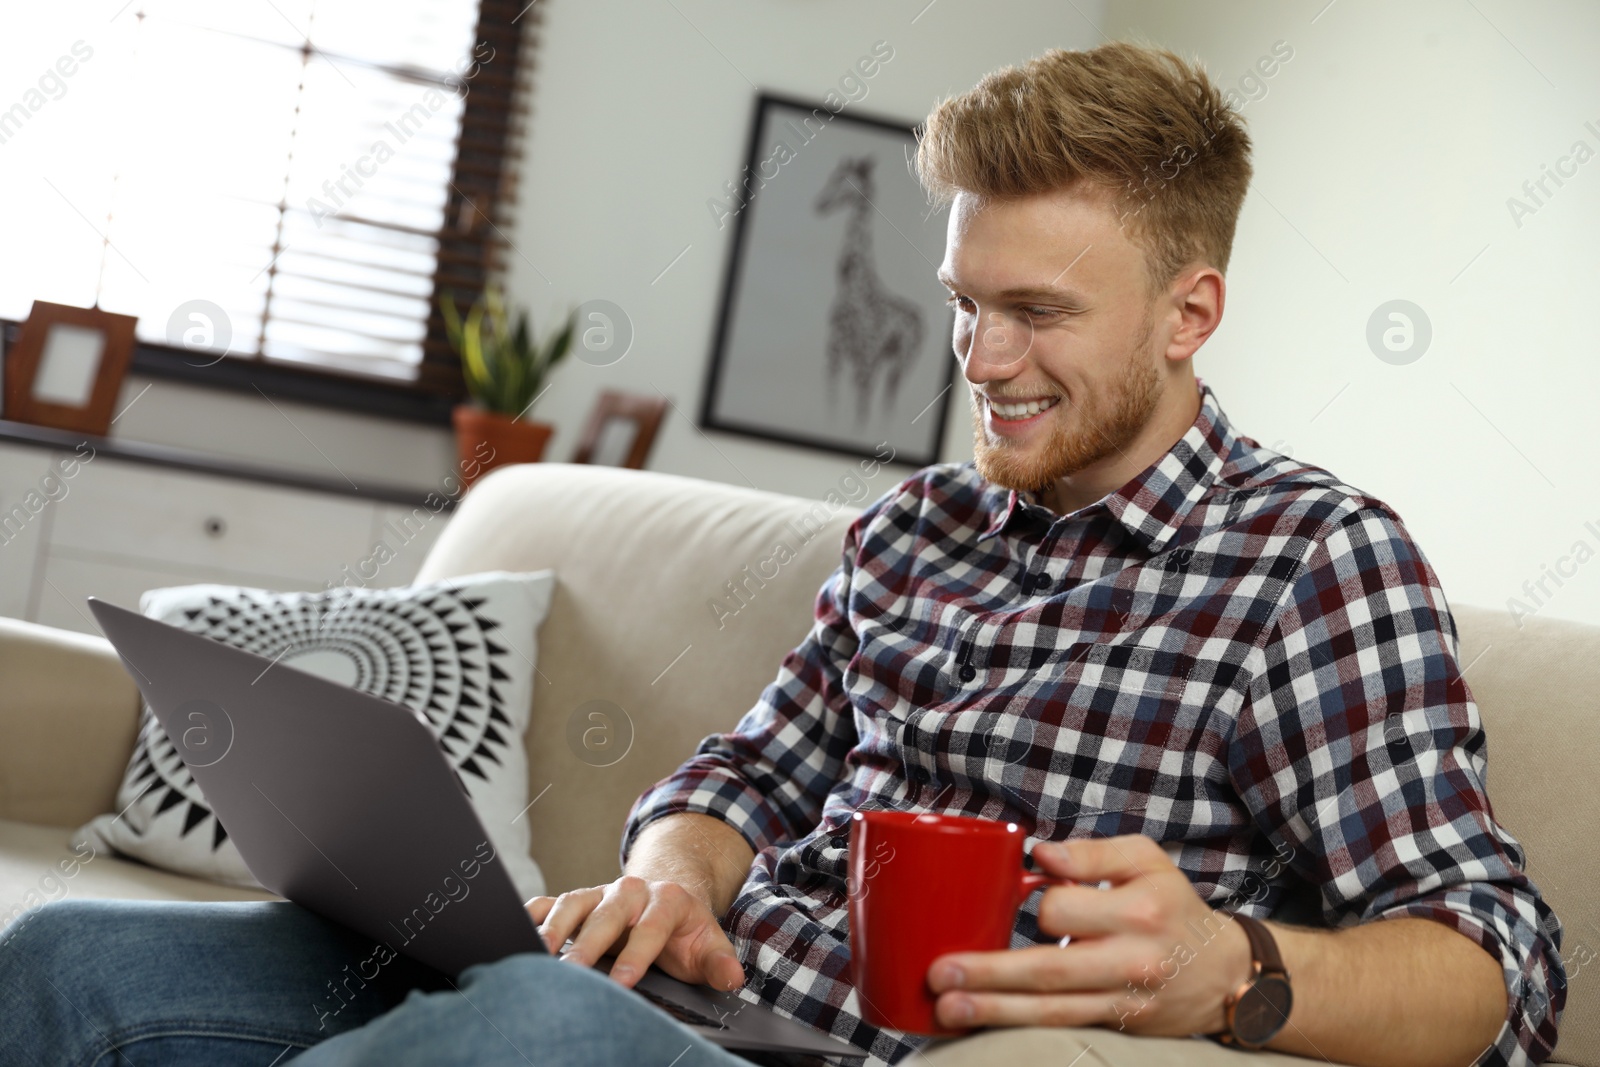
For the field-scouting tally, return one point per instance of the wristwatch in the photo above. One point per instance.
(1255, 1012)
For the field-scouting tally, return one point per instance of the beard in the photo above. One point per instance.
(1086, 431)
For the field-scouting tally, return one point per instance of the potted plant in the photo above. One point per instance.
(504, 369)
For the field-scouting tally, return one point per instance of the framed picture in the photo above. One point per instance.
(67, 366)
(833, 331)
(621, 429)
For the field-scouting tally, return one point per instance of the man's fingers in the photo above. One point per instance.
(538, 907)
(1084, 911)
(645, 941)
(725, 972)
(719, 964)
(1097, 859)
(643, 923)
(1102, 965)
(962, 1009)
(566, 914)
(711, 961)
(619, 907)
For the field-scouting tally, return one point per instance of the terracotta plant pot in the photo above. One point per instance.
(486, 440)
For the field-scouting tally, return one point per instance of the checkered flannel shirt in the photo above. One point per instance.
(1235, 654)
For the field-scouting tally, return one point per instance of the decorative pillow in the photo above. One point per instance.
(460, 651)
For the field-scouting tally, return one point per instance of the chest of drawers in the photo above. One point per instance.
(78, 522)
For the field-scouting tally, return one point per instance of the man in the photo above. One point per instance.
(1123, 624)
(1209, 681)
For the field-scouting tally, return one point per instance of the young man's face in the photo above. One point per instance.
(1052, 306)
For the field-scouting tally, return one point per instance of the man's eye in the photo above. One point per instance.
(1037, 313)
(959, 302)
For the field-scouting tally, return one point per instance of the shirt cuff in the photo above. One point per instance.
(707, 789)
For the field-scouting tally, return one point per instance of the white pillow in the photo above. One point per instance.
(460, 651)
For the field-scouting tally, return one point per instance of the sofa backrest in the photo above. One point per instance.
(1537, 686)
(643, 560)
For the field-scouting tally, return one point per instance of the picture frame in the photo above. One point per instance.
(67, 366)
(833, 331)
(621, 430)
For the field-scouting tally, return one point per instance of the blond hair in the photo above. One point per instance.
(1136, 121)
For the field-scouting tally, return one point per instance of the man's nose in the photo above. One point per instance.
(998, 341)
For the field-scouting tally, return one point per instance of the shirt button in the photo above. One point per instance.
(919, 775)
(968, 672)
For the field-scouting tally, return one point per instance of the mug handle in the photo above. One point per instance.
(1031, 881)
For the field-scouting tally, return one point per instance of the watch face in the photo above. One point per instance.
(1263, 1010)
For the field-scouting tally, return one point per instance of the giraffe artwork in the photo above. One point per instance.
(832, 333)
(872, 332)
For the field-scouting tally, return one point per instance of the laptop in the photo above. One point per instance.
(345, 804)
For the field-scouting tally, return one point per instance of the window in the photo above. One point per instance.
(318, 170)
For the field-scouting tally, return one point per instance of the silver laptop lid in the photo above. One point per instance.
(298, 769)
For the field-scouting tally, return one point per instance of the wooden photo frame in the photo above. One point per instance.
(67, 367)
(621, 430)
(833, 330)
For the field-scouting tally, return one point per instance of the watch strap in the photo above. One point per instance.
(1263, 947)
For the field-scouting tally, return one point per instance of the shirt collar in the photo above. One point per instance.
(1153, 505)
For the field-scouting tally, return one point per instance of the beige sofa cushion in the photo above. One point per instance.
(37, 865)
(1538, 690)
(69, 712)
(1093, 1047)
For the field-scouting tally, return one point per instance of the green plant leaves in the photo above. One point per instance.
(503, 366)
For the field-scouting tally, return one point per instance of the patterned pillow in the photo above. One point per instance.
(460, 651)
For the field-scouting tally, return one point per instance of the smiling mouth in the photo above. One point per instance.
(1021, 412)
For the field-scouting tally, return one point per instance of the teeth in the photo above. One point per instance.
(1022, 411)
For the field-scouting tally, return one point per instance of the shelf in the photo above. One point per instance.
(23, 433)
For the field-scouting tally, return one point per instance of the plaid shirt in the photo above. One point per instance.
(1235, 654)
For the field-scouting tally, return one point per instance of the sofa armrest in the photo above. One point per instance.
(69, 713)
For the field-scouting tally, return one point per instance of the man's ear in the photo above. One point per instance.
(1196, 298)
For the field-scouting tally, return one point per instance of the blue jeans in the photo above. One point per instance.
(123, 983)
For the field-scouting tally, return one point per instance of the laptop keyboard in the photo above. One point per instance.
(681, 1013)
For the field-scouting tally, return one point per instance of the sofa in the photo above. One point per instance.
(670, 605)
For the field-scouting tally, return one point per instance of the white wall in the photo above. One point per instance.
(1386, 150)
(640, 114)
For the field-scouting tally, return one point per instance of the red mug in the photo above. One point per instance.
(922, 885)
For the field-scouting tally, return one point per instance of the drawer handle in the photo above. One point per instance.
(215, 527)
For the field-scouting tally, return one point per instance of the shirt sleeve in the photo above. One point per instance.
(1361, 749)
(769, 775)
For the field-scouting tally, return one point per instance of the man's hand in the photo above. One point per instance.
(682, 873)
(652, 922)
(1147, 955)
